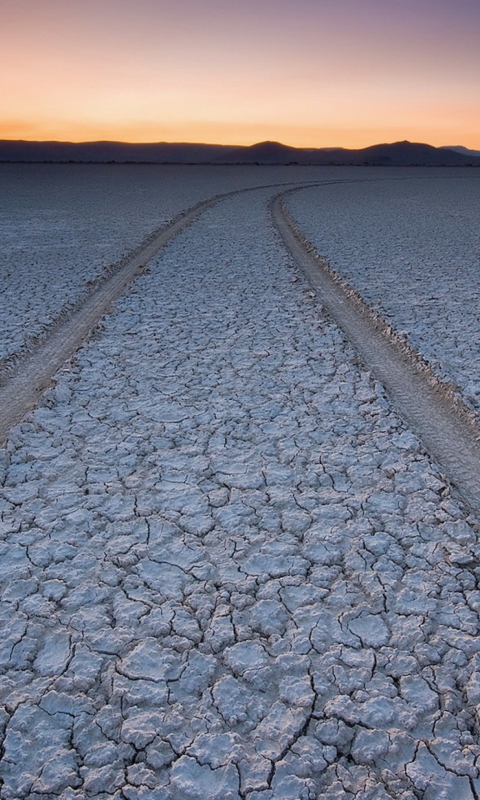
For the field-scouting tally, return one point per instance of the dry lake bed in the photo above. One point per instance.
(229, 568)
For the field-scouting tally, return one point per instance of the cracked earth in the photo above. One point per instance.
(230, 570)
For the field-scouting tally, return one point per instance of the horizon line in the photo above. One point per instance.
(216, 144)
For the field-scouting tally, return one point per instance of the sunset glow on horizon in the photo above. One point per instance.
(308, 73)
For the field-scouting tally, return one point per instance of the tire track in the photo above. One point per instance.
(21, 390)
(33, 374)
(440, 420)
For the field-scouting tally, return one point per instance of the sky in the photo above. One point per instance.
(308, 73)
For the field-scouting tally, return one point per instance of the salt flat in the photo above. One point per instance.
(411, 247)
(230, 571)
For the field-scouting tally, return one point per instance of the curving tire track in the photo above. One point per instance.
(33, 375)
(441, 421)
(443, 424)
(21, 390)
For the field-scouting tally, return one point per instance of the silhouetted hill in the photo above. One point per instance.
(459, 149)
(263, 153)
(105, 152)
(396, 154)
(410, 154)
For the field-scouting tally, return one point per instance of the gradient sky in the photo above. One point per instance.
(309, 73)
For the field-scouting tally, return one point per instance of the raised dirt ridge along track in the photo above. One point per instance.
(442, 423)
(440, 420)
(23, 390)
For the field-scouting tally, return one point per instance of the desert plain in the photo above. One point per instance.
(229, 568)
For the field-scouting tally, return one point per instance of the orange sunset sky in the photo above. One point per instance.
(309, 73)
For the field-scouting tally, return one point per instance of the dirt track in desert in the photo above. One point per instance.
(442, 422)
(231, 568)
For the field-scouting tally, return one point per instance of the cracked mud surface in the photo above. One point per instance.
(431, 409)
(23, 389)
(62, 227)
(230, 571)
(411, 247)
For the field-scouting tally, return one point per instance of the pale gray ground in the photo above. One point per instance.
(34, 372)
(445, 425)
(229, 570)
(61, 226)
(411, 247)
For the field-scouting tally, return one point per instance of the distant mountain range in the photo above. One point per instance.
(402, 154)
(464, 150)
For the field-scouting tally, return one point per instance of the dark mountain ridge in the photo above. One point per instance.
(458, 148)
(105, 152)
(267, 153)
(396, 154)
